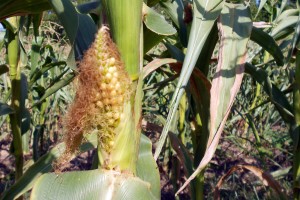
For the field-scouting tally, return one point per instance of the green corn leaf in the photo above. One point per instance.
(175, 9)
(235, 27)
(146, 166)
(43, 165)
(294, 42)
(155, 29)
(25, 123)
(268, 43)
(175, 52)
(261, 5)
(35, 53)
(56, 86)
(204, 59)
(5, 109)
(88, 7)
(80, 28)
(156, 22)
(276, 96)
(36, 22)
(22, 7)
(150, 39)
(284, 27)
(287, 13)
(37, 74)
(93, 184)
(205, 14)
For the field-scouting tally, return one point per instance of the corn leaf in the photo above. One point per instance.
(80, 28)
(94, 184)
(56, 86)
(268, 43)
(22, 7)
(265, 177)
(235, 27)
(184, 157)
(294, 42)
(43, 165)
(205, 14)
(284, 27)
(261, 5)
(276, 96)
(35, 53)
(146, 166)
(97, 184)
(150, 39)
(175, 9)
(5, 109)
(205, 57)
(88, 7)
(175, 52)
(156, 22)
(37, 74)
(155, 64)
(287, 13)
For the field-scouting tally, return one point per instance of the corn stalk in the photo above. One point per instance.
(15, 77)
(296, 139)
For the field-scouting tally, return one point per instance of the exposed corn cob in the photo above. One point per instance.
(103, 89)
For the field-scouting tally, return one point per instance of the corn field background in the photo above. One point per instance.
(153, 99)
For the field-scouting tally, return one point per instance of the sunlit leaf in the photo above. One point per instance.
(205, 14)
(156, 22)
(284, 27)
(235, 27)
(93, 184)
(155, 64)
(146, 166)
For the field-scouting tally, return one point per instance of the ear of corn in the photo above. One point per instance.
(103, 91)
(109, 95)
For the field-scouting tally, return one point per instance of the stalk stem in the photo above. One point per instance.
(296, 132)
(15, 77)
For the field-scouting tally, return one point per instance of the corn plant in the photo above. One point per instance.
(107, 107)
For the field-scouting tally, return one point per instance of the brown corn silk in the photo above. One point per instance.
(103, 88)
